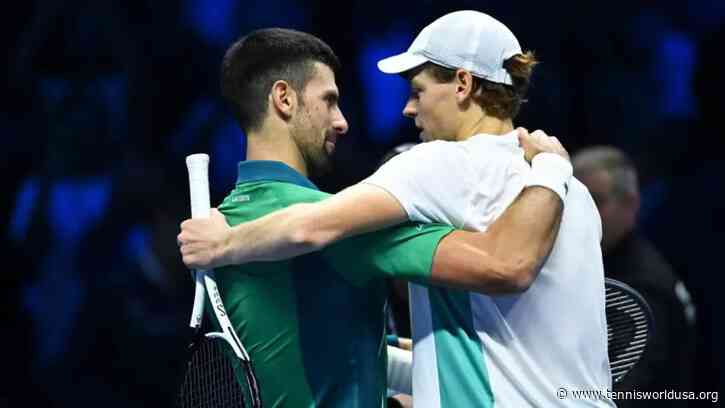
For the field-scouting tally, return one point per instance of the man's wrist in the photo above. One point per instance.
(551, 171)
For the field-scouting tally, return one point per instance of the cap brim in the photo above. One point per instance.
(401, 63)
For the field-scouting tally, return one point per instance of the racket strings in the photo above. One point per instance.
(628, 330)
(210, 380)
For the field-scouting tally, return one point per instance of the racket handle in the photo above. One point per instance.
(400, 363)
(198, 167)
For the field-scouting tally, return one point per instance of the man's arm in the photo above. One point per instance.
(503, 259)
(296, 230)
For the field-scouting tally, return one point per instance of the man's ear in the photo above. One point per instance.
(464, 84)
(283, 98)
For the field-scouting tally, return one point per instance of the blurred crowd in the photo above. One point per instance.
(105, 99)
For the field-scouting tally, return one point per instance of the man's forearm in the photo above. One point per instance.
(277, 236)
(308, 227)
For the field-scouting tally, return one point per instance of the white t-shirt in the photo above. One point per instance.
(473, 350)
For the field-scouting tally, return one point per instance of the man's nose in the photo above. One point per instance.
(409, 110)
(340, 124)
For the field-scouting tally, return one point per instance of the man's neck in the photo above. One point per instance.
(484, 124)
(275, 145)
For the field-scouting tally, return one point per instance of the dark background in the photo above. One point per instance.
(104, 99)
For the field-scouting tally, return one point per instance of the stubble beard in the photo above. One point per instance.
(312, 147)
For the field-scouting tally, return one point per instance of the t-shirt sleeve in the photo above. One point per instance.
(432, 182)
(404, 252)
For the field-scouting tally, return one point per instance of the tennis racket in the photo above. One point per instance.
(210, 379)
(630, 325)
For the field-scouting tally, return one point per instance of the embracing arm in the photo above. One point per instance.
(504, 259)
(296, 230)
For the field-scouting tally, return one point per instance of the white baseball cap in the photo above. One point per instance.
(465, 39)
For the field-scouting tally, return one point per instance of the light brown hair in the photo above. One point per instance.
(498, 100)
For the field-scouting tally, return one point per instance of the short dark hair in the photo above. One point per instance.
(498, 100)
(256, 61)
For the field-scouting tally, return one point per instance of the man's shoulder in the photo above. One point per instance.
(452, 159)
(282, 193)
(439, 149)
(252, 200)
